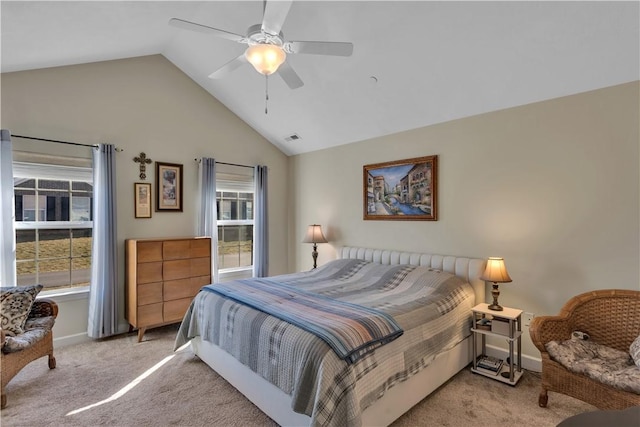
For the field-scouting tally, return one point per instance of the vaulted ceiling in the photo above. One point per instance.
(414, 63)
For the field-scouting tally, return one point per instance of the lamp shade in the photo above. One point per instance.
(265, 58)
(496, 271)
(314, 235)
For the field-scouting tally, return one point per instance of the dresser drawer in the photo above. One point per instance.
(149, 272)
(149, 293)
(176, 249)
(198, 282)
(200, 267)
(184, 288)
(177, 269)
(176, 289)
(173, 311)
(201, 248)
(150, 314)
(149, 251)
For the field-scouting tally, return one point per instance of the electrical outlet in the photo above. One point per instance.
(526, 318)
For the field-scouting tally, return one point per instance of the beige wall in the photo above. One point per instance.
(552, 187)
(141, 104)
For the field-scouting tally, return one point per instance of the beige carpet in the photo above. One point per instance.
(88, 389)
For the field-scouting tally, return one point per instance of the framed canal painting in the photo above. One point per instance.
(401, 190)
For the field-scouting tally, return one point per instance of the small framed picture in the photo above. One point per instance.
(142, 194)
(169, 187)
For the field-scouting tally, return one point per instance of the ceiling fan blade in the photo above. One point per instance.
(320, 48)
(290, 77)
(228, 67)
(192, 26)
(275, 12)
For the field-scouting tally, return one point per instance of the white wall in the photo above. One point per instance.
(553, 187)
(141, 104)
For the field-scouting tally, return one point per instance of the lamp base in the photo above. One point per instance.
(495, 292)
(314, 254)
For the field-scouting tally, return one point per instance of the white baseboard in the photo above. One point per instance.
(529, 363)
(123, 328)
(70, 340)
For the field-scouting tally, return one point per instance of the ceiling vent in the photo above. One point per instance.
(293, 137)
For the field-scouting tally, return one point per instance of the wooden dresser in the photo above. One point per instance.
(162, 277)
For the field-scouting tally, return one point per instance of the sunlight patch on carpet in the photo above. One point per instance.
(124, 390)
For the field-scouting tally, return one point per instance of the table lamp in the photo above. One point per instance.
(315, 236)
(495, 272)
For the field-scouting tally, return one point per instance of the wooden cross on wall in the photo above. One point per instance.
(142, 159)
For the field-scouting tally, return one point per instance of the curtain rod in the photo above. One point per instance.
(229, 164)
(60, 142)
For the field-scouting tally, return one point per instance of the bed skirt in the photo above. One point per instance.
(277, 405)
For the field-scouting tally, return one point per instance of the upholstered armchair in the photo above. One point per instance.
(602, 325)
(34, 342)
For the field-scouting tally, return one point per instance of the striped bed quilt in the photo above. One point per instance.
(351, 330)
(433, 308)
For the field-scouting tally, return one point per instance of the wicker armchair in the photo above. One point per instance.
(611, 317)
(12, 363)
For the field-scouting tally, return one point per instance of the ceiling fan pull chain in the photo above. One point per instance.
(266, 93)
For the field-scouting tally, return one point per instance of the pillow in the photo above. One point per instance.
(634, 351)
(15, 305)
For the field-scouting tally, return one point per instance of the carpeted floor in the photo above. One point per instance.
(119, 382)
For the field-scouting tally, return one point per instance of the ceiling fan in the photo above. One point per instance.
(268, 49)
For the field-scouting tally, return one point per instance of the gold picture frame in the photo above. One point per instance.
(168, 187)
(401, 190)
(142, 199)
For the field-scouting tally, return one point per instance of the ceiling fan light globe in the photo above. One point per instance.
(265, 58)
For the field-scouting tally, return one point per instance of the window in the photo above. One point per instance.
(54, 224)
(234, 202)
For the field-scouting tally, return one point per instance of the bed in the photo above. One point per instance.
(299, 379)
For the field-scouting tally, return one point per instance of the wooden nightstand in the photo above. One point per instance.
(504, 324)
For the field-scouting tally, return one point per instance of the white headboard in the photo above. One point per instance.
(468, 269)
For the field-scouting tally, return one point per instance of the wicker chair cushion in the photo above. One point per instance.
(39, 323)
(35, 330)
(15, 304)
(601, 363)
(634, 350)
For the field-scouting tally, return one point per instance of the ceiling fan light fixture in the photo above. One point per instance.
(265, 58)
